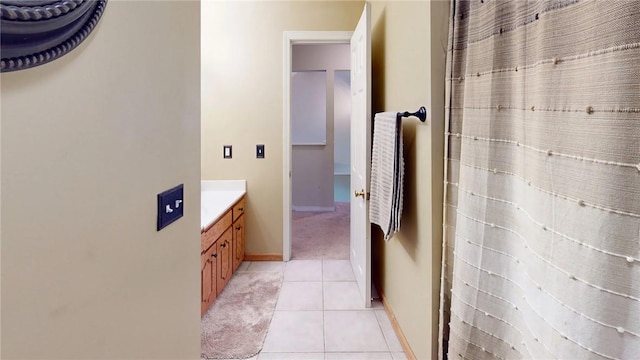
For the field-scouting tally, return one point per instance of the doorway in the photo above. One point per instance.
(360, 127)
(320, 133)
(311, 39)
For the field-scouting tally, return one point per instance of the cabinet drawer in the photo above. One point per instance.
(238, 209)
(216, 230)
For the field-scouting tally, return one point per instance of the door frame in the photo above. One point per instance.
(291, 38)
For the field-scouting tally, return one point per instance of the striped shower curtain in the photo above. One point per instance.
(541, 252)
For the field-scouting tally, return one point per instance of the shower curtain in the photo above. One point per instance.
(541, 248)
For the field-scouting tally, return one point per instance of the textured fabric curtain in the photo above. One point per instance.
(541, 255)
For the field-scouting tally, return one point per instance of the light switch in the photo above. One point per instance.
(260, 151)
(170, 206)
(226, 151)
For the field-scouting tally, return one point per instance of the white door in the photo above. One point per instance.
(360, 247)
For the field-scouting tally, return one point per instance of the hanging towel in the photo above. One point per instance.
(387, 172)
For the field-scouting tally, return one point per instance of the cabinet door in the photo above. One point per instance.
(205, 271)
(208, 263)
(215, 259)
(225, 257)
(238, 242)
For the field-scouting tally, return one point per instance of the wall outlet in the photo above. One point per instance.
(226, 151)
(260, 151)
(170, 206)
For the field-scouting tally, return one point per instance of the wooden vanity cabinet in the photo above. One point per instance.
(221, 253)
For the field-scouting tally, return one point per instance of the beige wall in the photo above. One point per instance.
(242, 44)
(408, 57)
(87, 143)
(312, 166)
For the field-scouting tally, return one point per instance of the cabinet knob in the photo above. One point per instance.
(238, 227)
(215, 255)
(241, 209)
(224, 244)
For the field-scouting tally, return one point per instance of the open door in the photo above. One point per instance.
(360, 246)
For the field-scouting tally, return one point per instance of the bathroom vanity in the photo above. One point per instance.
(222, 235)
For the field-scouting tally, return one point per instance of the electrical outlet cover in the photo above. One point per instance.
(170, 206)
(226, 152)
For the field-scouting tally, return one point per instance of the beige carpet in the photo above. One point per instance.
(236, 324)
(321, 235)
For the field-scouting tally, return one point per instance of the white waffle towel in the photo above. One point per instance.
(387, 171)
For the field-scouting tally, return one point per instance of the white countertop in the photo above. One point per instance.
(218, 196)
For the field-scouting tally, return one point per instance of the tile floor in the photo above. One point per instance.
(318, 316)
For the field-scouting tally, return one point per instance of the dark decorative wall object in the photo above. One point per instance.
(35, 32)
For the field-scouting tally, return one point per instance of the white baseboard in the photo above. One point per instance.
(313, 208)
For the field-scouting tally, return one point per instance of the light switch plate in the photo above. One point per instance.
(226, 151)
(170, 206)
(260, 151)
